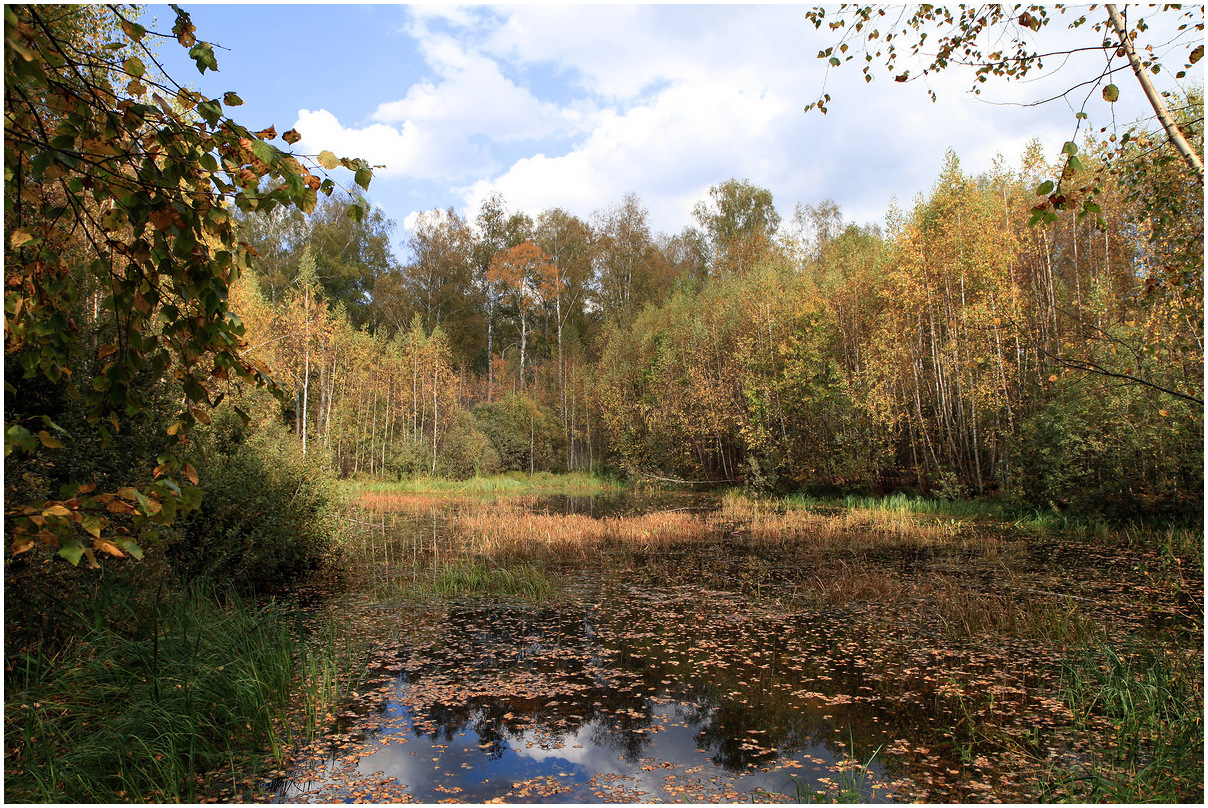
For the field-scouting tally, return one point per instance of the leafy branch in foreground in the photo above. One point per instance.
(958, 38)
(119, 252)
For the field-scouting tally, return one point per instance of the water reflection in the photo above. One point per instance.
(723, 668)
(579, 704)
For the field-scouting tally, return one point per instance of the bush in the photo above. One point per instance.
(523, 435)
(467, 451)
(268, 514)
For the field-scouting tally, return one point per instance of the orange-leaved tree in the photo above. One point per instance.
(528, 278)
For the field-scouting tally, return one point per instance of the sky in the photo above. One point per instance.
(575, 105)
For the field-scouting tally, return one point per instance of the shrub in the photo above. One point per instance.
(523, 435)
(467, 451)
(268, 513)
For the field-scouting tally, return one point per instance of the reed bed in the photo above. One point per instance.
(418, 503)
(852, 529)
(511, 483)
(571, 536)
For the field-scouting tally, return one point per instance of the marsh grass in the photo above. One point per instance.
(510, 483)
(1143, 711)
(528, 536)
(853, 530)
(152, 713)
(478, 578)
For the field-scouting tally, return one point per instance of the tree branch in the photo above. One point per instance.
(1155, 100)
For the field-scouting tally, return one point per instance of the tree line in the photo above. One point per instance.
(963, 349)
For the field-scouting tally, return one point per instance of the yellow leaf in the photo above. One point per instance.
(19, 237)
(92, 524)
(1053, 378)
(56, 510)
(191, 472)
(328, 160)
(106, 546)
(1162, 413)
(49, 441)
(20, 545)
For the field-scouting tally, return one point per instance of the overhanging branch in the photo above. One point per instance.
(1155, 100)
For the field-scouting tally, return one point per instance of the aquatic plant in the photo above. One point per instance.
(1143, 709)
(477, 578)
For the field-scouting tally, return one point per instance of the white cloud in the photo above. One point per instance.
(406, 150)
(574, 106)
(668, 151)
(442, 127)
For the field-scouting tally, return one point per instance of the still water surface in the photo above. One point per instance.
(679, 674)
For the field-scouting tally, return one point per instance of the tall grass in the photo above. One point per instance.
(152, 713)
(477, 578)
(520, 535)
(1143, 712)
(902, 503)
(510, 483)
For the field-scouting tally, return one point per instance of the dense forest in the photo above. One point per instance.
(956, 351)
(178, 286)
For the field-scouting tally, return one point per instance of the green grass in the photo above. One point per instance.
(510, 483)
(477, 578)
(903, 503)
(1143, 711)
(151, 712)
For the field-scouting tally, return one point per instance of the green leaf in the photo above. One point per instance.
(130, 547)
(17, 435)
(203, 55)
(1070, 148)
(265, 151)
(1110, 93)
(232, 100)
(210, 110)
(73, 552)
(135, 67)
(362, 177)
(133, 30)
(1045, 188)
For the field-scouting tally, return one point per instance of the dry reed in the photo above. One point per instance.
(564, 536)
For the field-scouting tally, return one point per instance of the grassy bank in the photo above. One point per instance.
(511, 483)
(180, 708)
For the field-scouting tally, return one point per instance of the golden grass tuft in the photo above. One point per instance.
(537, 535)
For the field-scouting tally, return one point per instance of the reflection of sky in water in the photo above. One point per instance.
(584, 761)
